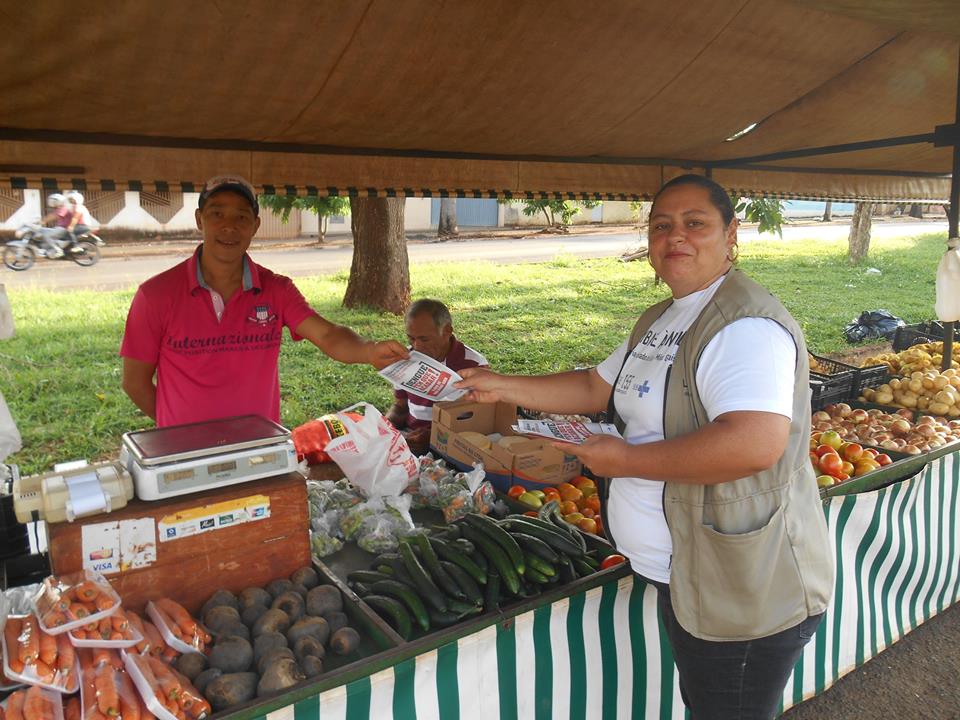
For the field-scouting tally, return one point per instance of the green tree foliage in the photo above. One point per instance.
(766, 212)
(557, 213)
(322, 206)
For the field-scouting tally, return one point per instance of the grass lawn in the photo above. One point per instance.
(60, 375)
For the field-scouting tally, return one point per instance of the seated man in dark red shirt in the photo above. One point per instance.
(430, 331)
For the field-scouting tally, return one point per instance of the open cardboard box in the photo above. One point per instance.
(532, 463)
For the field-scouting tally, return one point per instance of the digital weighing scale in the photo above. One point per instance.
(182, 459)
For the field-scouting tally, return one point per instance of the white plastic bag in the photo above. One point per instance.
(6, 315)
(948, 283)
(373, 455)
(9, 435)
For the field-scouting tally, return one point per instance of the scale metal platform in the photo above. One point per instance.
(182, 459)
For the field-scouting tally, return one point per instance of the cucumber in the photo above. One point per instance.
(496, 555)
(565, 569)
(591, 562)
(536, 546)
(550, 534)
(400, 571)
(421, 580)
(385, 569)
(463, 609)
(464, 545)
(432, 563)
(359, 588)
(551, 512)
(366, 577)
(406, 595)
(582, 568)
(452, 553)
(540, 565)
(500, 536)
(534, 575)
(491, 592)
(443, 619)
(391, 611)
(460, 576)
(481, 560)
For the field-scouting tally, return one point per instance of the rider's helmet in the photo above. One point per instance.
(75, 197)
(55, 200)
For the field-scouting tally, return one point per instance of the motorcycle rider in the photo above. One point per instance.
(81, 220)
(62, 214)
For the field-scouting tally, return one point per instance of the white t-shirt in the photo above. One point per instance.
(749, 365)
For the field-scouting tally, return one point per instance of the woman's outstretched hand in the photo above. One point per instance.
(603, 454)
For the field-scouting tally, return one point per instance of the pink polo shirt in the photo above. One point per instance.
(210, 368)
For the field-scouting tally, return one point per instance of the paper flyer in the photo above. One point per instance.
(425, 377)
(564, 430)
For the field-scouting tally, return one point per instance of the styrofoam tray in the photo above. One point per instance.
(31, 678)
(68, 581)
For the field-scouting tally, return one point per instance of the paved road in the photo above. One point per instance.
(129, 266)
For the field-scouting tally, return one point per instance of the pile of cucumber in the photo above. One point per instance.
(471, 567)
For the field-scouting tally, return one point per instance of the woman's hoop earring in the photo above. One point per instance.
(733, 253)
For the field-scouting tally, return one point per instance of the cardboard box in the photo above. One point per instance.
(532, 463)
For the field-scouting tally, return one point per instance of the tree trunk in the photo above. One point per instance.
(827, 211)
(380, 273)
(859, 241)
(447, 227)
(321, 229)
(916, 210)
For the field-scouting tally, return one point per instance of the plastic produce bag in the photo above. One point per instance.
(9, 435)
(325, 537)
(373, 454)
(872, 324)
(948, 283)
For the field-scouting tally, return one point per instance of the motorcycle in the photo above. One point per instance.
(30, 240)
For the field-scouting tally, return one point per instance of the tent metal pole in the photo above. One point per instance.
(953, 220)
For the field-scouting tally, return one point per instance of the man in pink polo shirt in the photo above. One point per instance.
(210, 328)
(430, 331)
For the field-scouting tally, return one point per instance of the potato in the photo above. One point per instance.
(279, 675)
(266, 642)
(220, 598)
(315, 627)
(305, 576)
(301, 591)
(938, 408)
(344, 641)
(324, 599)
(336, 620)
(883, 398)
(254, 596)
(205, 678)
(232, 655)
(273, 656)
(308, 646)
(291, 603)
(312, 666)
(251, 613)
(279, 587)
(192, 664)
(219, 615)
(272, 620)
(229, 690)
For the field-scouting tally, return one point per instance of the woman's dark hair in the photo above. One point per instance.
(718, 196)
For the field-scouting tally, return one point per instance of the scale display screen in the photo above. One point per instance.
(267, 459)
(221, 467)
(178, 475)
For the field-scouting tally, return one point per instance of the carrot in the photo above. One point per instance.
(119, 621)
(86, 591)
(108, 699)
(36, 706)
(168, 683)
(66, 654)
(129, 699)
(153, 637)
(44, 671)
(172, 627)
(11, 636)
(71, 709)
(78, 634)
(15, 705)
(101, 656)
(104, 601)
(48, 647)
(56, 618)
(178, 614)
(29, 648)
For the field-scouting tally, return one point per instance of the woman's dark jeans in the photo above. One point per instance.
(739, 680)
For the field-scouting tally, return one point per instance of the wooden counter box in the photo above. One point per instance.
(187, 547)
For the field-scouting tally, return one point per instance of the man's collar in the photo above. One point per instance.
(457, 351)
(251, 273)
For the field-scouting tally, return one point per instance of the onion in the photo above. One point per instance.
(859, 415)
(900, 427)
(910, 449)
(820, 416)
(889, 445)
(843, 410)
(926, 430)
(908, 414)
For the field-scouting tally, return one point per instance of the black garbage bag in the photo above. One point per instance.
(872, 324)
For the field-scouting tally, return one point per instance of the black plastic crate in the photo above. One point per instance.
(832, 368)
(910, 335)
(870, 377)
(826, 389)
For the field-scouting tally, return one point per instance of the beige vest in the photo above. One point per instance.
(751, 557)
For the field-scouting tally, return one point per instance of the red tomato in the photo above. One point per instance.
(610, 560)
(531, 513)
(852, 452)
(550, 493)
(825, 449)
(516, 491)
(883, 459)
(831, 464)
